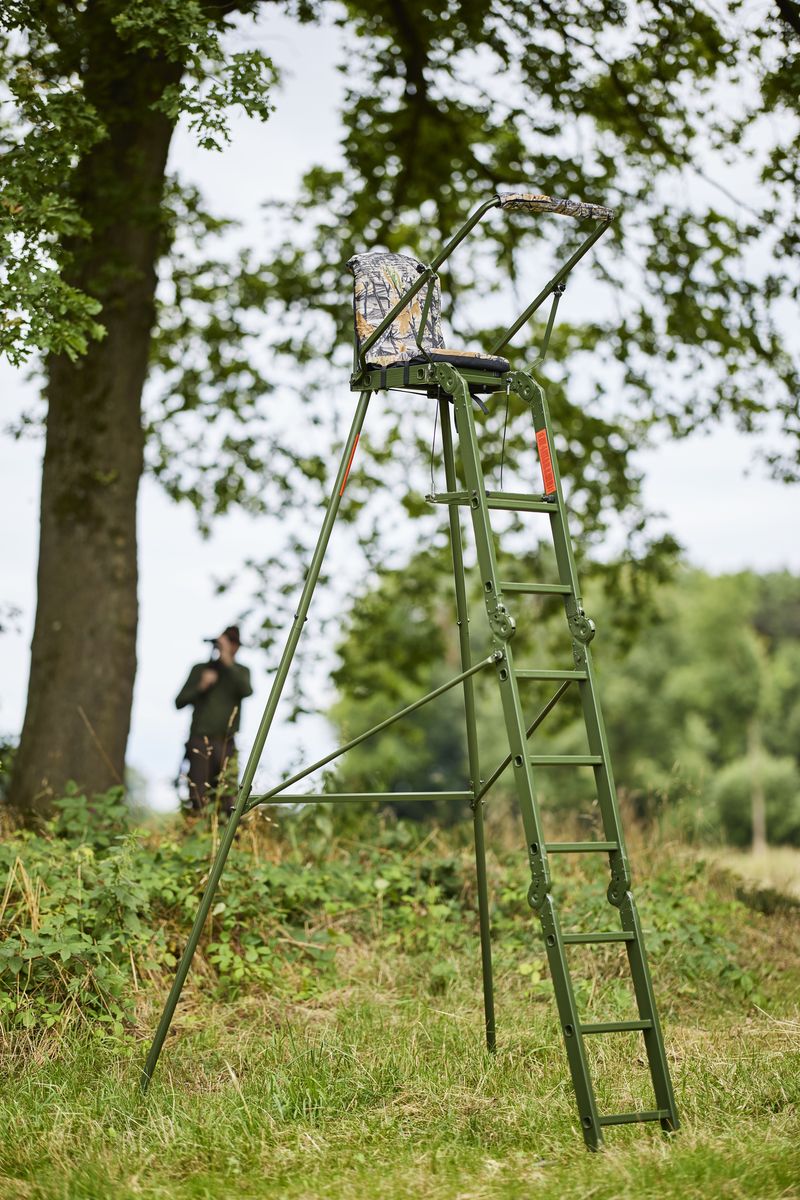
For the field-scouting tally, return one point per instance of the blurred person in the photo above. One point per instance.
(215, 689)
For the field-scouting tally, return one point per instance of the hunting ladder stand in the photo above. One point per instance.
(399, 345)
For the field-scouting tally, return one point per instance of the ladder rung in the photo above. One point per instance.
(448, 498)
(566, 760)
(521, 502)
(580, 939)
(532, 673)
(616, 1026)
(579, 847)
(520, 496)
(660, 1114)
(536, 589)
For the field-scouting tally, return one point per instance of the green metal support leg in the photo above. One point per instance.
(462, 613)
(258, 745)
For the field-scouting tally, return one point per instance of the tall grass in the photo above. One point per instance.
(355, 1068)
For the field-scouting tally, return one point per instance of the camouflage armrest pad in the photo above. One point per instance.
(566, 208)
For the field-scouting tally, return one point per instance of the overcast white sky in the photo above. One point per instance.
(716, 498)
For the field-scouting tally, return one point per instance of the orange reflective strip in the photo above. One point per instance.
(349, 465)
(545, 461)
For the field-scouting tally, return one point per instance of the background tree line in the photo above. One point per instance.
(700, 687)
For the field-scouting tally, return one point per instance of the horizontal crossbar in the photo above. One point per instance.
(356, 797)
(506, 501)
(253, 801)
(616, 1026)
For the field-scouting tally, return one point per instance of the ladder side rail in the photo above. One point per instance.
(476, 782)
(570, 1024)
(582, 630)
(500, 622)
(619, 894)
(648, 1011)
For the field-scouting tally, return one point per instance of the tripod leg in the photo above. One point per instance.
(472, 728)
(486, 929)
(258, 745)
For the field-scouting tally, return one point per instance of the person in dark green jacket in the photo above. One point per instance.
(216, 690)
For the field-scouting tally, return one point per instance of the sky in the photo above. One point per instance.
(714, 494)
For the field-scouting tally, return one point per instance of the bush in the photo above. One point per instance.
(8, 748)
(90, 909)
(91, 917)
(732, 794)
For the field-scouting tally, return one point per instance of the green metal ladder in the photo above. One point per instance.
(455, 389)
(502, 625)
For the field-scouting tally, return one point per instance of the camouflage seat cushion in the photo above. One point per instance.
(380, 279)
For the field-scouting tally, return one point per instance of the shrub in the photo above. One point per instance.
(732, 793)
(91, 914)
(8, 748)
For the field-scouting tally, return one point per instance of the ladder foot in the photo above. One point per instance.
(592, 1134)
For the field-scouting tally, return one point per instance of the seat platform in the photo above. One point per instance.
(418, 374)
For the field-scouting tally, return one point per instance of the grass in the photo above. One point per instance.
(379, 1086)
(384, 1092)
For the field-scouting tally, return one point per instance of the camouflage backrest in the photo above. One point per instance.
(380, 280)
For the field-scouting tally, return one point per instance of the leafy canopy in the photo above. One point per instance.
(48, 52)
(679, 318)
(663, 110)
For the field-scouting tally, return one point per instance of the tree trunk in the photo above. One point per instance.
(758, 800)
(83, 655)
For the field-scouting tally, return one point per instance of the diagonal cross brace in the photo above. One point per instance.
(535, 723)
(254, 801)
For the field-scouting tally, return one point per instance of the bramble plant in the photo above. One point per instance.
(92, 918)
